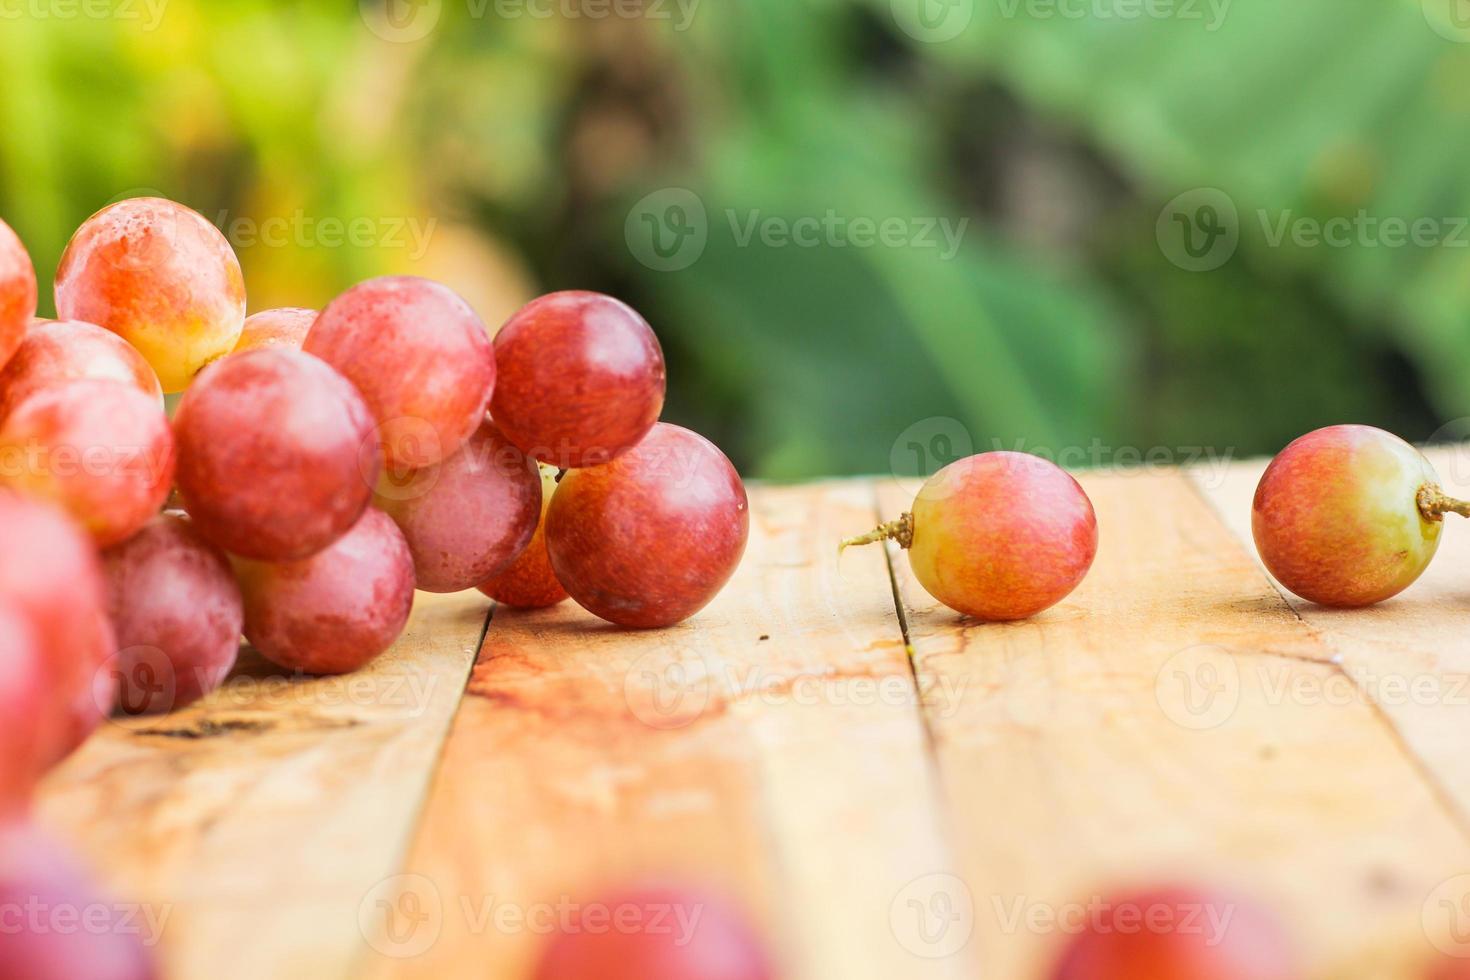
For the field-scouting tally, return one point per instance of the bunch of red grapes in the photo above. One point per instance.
(319, 468)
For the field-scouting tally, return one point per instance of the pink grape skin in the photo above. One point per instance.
(23, 701)
(100, 449)
(1336, 517)
(277, 454)
(640, 934)
(529, 582)
(177, 615)
(421, 358)
(59, 926)
(160, 276)
(1002, 536)
(581, 379)
(649, 539)
(468, 517)
(54, 352)
(49, 572)
(17, 291)
(285, 327)
(334, 612)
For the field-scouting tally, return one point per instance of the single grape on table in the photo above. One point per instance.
(529, 582)
(651, 538)
(581, 379)
(54, 352)
(421, 358)
(468, 517)
(1178, 933)
(656, 932)
(1349, 515)
(337, 610)
(100, 449)
(17, 291)
(177, 615)
(277, 454)
(160, 276)
(284, 327)
(1000, 536)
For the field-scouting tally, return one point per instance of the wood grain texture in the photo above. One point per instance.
(257, 819)
(1159, 726)
(771, 749)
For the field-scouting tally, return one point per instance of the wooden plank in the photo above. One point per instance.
(1148, 729)
(772, 748)
(258, 818)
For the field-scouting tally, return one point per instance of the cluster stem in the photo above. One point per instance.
(1434, 503)
(901, 530)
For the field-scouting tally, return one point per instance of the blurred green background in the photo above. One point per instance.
(1117, 174)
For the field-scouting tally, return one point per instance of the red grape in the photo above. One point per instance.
(337, 610)
(468, 517)
(1178, 934)
(1338, 516)
(100, 449)
(17, 291)
(23, 701)
(177, 615)
(49, 573)
(655, 933)
(1000, 536)
(581, 379)
(286, 327)
(277, 454)
(650, 538)
(528, 582)
(162, 277)
(55, 925)
(420, 357)
(55, 352)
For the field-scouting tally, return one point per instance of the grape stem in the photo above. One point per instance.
(1434, 503)
(901, 530)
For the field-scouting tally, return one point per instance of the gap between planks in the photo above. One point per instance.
(772, 747)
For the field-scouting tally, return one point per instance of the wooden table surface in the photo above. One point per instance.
(1176, 719)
